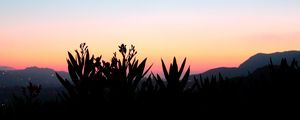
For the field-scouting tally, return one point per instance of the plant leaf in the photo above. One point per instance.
(182, 66)
(185, 78)
(164, 69)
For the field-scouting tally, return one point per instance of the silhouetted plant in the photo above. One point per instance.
(149, 91)
(125, 75)
(285, 80)
(149, 86)
(175, 82)
(215, 91)
(82, 71)
(28, 104)
(112, 82)
(31, 92)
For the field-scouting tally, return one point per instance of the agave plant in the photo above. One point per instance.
(175, 82)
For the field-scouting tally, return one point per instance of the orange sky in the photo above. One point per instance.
(209, 34)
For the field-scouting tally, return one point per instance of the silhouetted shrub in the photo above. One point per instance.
(28, 105)
(103, 84)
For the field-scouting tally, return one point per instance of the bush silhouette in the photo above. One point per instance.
(28, 105)
(99, 83)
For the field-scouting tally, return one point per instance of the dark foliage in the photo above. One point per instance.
(97, 83)
(26, 106)
(123, 86)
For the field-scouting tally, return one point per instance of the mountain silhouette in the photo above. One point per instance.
(261, 59)
(6, 68)
(12, 80)
(254, 62)
(43, 76)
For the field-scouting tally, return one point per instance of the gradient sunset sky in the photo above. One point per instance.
(210, 33)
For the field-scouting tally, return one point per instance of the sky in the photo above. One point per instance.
(209, 33)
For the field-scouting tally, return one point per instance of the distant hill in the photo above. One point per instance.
(254, 62)
(261, 59)
(6, 68)
(43, 76)
(225, 71)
